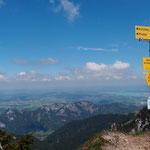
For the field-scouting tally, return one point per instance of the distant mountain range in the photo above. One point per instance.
(55, 116)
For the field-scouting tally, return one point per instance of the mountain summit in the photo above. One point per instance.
(132, 134)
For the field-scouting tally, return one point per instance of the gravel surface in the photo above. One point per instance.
(120, 141)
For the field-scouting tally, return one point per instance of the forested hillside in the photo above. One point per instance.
(75, 133)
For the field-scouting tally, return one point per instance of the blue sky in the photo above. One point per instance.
(55, 42)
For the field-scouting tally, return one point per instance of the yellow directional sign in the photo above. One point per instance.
(142, 32)
(148, 78)
(146, 63)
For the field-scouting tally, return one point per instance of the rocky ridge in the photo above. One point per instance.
(109, 140)
(140, 122)
(132, 134)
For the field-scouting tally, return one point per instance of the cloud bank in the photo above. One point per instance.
(91, 73)
(95, 71)
(32, 76)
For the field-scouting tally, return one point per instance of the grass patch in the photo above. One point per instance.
(95, 142)
(138, 133)
(41, 135)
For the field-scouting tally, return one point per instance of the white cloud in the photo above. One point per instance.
(96, 49)
(21, 73)
(80, 77)
(95, 67)
(42, 61)
(89, 49)
(3, 77)
(132, 77)
(98, 67)
(117, 77)
(32, 76)
(63, 77)
(71, 10)
(120, 65)
(107, 78)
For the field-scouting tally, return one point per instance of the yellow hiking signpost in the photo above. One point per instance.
(142, 33)
(146, 64)
(148, 78)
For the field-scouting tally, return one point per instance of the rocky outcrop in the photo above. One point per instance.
(108, 140)
(139, 122)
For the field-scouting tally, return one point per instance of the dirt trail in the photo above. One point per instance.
(120, 141)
